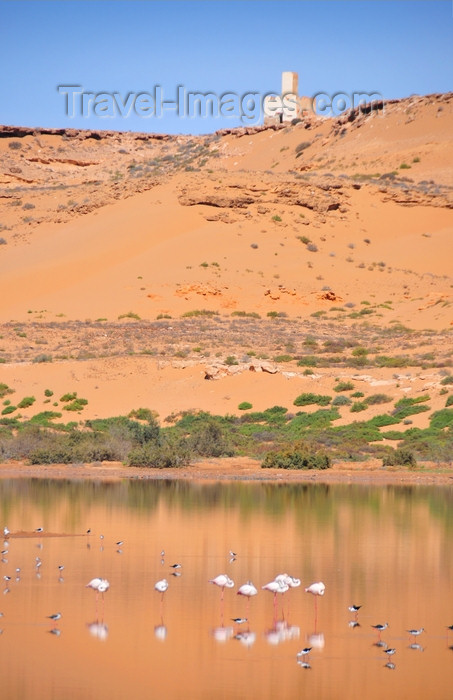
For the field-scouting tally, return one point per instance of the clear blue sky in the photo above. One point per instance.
(395, 48)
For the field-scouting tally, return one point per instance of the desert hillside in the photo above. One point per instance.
(178, 272)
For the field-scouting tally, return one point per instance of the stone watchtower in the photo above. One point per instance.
(287, 106)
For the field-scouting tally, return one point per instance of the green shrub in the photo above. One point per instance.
(42, 357)
(400, 457)
(359, 351)
(386, 361)
(245, 406)
(76, 405)
(358, 406)
(441, 419)
(4, 390)
(210, 439)
(26, 402)
(8, 409)
(308, 361)
(449, 401)
(44, 418)
(282, 358)
(308, 399)
(341, 401)
(48, 392)
(344, 386)
(169, 454)
(375, 399)
(68, 397)
(295, 459)
(142, 414)
(447, 380)
(231, 360)
(409, 406)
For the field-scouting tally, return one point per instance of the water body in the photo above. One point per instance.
(388, 549)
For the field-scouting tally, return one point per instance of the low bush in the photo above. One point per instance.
(307, 399)
(341, 401)
(295, 459)
(400, 457)
(344, 386)
(26, 402)
(375, 399)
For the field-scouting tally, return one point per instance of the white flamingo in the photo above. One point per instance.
(161, 586)
(248, 590)
(223, 581)
(316, 589)
(100, 585)
(276, 587)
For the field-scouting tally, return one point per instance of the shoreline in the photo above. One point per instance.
(242, 469)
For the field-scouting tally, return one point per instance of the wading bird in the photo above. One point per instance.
(248, 590)
(380, 628)
(275, 587)
(161, 586)
(223, 581)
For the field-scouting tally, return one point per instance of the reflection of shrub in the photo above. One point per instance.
(295, 459)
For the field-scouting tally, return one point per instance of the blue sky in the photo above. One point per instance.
(394, 48)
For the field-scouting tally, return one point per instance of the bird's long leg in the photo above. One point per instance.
(316, 613)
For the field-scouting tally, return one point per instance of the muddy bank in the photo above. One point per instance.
(240, 469)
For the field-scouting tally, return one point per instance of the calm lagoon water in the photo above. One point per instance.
(388, 549)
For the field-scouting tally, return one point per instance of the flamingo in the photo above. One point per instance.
(100, 585)
(248, 590)
(223, 581)
(161, 586)
(316, 589)
(276, 587)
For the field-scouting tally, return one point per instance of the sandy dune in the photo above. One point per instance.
(316, 218)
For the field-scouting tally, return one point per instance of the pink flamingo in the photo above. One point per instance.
(276, 587)
(248, 590)
(161, 586)
(223, 581)
(100, 585)
(316, 589)
(290, 581)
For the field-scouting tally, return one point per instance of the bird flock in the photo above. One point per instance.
(281, 584)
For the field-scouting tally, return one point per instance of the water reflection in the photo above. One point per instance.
(382, 547)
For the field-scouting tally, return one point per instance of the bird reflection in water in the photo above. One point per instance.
(98, 630)
(281, 631)
(222, 634)
(316, 640)
(160, 632)
(246, 638)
